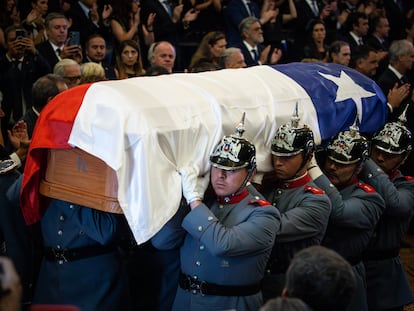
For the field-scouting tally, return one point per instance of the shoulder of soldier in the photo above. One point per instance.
(366, 187)
(314, 190)
(259, 202)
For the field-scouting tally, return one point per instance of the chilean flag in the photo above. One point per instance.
(147, 128)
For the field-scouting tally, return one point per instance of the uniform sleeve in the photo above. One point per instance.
(361, 210)
(255, 234)
(172, 234)
(306, 220)
(398, 201)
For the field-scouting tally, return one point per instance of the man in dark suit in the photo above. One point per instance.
(357, 30)
(378, 39)
(401, 59)
(20, 67)
(251, 45)
(56, 47)
(95, 51)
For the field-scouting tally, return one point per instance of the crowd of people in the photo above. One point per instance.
(322, 231)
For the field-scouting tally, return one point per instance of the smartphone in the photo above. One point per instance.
(20, 34)
(74, 38)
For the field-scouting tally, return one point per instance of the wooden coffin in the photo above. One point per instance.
(76, 176)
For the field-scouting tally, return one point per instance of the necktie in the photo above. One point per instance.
(58, 51)
(315, 8)
(255, 55)
(168, 7)
(250, 8)
(360, 42)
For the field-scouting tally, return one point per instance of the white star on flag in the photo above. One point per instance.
(348, 89)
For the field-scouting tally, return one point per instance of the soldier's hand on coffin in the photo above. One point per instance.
(193, 185)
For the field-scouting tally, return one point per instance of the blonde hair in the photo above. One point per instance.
(92, 72)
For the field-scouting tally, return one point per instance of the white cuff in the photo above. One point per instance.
(16, 159)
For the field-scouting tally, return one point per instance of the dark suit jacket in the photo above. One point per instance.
(396, 18)
(305, 15)
(234, 13)
(46, 49)
(377, 44)
(352, 43)
(248, 59)
(386, 82)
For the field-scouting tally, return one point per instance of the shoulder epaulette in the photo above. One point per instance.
(314, 190)
(367, 188)
(259, 202)
(409, 178)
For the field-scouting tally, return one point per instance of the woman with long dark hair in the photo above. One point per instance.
(316, 49)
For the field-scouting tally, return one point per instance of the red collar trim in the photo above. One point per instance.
(233, 199)
(295, 183)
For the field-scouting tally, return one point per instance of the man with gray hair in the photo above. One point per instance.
(251, 45)
(401, 59)
(232, 58)
(70, 70)
(162, 53)
(56, 47)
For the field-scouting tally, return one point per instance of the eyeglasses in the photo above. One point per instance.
(72, 79)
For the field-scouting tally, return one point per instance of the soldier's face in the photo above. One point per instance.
(288, 167)
(339, 174)
(387, 161)
(227, 182)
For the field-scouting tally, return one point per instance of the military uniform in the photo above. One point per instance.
(224, 254)
(356, 209)
(387, 284)
(304, 210)
(82, 265)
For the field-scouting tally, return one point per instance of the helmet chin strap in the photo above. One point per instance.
(302, 165)
(356, 171)
(243, 185)
(400, 163)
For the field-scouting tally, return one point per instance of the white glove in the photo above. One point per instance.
(193, 185)
(314, 169)
(257, 178)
